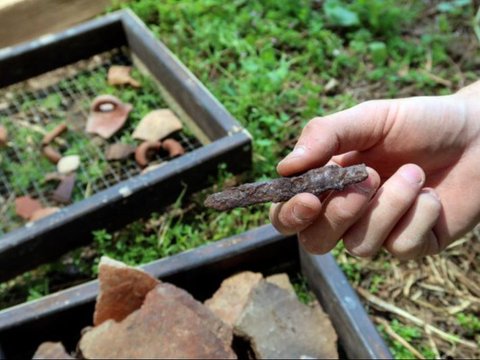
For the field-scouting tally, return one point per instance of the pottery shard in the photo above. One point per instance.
(119, 151)
(173, 147)
(3, 135)
(51, 350)
(282, 281)
(107, 115)
(120, 75)
(229, 300)
(55, 132)
(68, 164)
(122, 290)
(63, 193)
(279, 326)
(44, 212)
(170, 324)
(157, 125)
(25, 206)
(51, 154)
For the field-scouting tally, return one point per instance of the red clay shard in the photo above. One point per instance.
(145, 150)
(173, 147)
(44, 212)
(108, 114)
(25, 206)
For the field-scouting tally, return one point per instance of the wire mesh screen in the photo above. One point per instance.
(30, 109)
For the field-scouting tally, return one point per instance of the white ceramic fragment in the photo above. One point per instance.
(68, 164)
(157, 125)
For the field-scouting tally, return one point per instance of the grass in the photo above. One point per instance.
(27, 172)
(275, 65)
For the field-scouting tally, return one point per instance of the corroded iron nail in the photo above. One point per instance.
(316, 181)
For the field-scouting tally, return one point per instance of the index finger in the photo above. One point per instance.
(358, 128)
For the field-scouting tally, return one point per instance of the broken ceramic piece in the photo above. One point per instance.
(25, 206)
(51, 350)
(120, 75)
(119, 151)
(169, 324)
(122, 290)
(145, 151)
(43, 212)
(68, 164)
(51, 154)
(108, 114)
(229, 300)
(55, 132)
(63, 193)
(282, 281)
(157, 125)
(3, 136)
(152, 167)
(173, 147)
(300, 331)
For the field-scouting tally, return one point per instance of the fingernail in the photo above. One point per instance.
(302, 212)
(430, 192)
(412, 174)
(366, 186)
(298, 151)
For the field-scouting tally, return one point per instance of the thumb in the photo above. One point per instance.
(358, 128)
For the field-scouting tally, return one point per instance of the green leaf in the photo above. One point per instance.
(338, 14)
(452, 6)
(378, 51)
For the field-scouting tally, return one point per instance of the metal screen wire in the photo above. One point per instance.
(73, 98)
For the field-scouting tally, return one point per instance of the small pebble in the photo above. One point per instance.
(68, 164)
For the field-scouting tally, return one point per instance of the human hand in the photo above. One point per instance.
(423, 155)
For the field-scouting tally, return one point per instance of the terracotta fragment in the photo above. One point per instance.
(68, 164)
(122, 290)
(278, 326)
(25, 206)
(57, 131)
(229, 300)
(145, 150)
(120, 75)
(173, 147)
(44, 212)
(51, 350)
(51, 154)
(119, 151)
(169, 324)
(152, 167)
(157, 125)
(63, 193)
(108, 114)
(3, 136)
